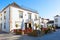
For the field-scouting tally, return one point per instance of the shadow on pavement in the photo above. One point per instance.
(2, 32)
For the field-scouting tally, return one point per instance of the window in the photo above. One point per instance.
(1, 18)
(4, 25)
(1, 24)
(29, 15)
(20, 14)
(56, 25)
(4, 11)
(56, 20)
(35, 17)
(4, 17)
(42, 22)
(41, 26)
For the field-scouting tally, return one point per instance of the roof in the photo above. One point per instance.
(50, 22)
(44, 19)
(17, 6)
(57, 16)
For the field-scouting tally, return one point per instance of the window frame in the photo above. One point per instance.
(36, 17)
(4, 25)
(56, 20)
(29, 16)
(20, 14)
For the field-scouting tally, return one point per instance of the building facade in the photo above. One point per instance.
(15, 17)
(0, 21)
(57, 21)
(43, 22)
(50, 23)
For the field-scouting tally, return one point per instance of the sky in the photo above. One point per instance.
(46, 8)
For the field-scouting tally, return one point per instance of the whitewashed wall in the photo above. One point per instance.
(0, 22)
(15, 17)
(7, 20)
(58, 21)
(12, 16)
(45, 23)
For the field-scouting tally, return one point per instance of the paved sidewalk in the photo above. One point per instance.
(9, 37)
(52, 36)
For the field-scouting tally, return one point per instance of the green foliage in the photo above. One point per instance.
(51, 28)
(45, 31)
(19, 33)
(37, 26)
(16, 25)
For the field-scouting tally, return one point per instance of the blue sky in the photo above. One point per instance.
(45, 8)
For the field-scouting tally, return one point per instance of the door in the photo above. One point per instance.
(29, 25)
(25, 25)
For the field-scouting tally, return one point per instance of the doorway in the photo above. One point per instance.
(25, 25)
(29, 25)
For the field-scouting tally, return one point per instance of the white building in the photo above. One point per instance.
(0, 21)
(50, 23)
(15, 17)
(43, 22)
(57, 21)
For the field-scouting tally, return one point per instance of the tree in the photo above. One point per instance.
(37, 26)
